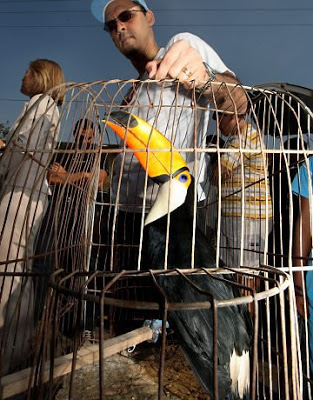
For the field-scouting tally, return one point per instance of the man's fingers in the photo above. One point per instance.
(152, 67)
(182, 62)
(172, 62)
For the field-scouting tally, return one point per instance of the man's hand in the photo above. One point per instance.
(182, 62)
(57, 168)
(57, 174)
(102, 179)
(300, 305)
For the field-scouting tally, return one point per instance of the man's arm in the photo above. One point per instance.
(231, 98)
(302, 244)
(58, 175)
(103, 176)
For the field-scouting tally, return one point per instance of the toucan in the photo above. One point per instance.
(173, 247)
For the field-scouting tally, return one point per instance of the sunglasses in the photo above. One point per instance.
(123, 17)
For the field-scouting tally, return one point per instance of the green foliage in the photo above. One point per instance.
(4, 130)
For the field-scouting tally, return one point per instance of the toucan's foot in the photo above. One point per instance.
(156, 326)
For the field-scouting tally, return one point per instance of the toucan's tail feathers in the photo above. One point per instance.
(239, 370)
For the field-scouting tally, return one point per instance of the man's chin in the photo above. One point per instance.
(130, 53)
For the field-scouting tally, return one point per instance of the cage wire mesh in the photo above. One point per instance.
(74, 265)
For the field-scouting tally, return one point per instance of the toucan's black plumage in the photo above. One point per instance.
(180, 240)
(194, 328)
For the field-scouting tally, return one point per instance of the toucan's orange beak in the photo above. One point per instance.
(155, 153)
(159, 158)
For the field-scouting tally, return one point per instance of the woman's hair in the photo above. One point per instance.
(47, 74)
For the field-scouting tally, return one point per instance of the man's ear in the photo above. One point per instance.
(150, 17)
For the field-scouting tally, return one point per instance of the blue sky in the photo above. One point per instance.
(268, 41)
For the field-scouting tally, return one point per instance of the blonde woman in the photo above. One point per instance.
(23, 198)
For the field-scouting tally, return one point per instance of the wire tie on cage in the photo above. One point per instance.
(131, 349)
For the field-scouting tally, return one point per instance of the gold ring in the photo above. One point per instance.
(187, 72)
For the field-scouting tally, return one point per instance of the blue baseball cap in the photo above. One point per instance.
(98, 8)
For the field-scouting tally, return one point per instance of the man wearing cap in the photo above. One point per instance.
(168, 106)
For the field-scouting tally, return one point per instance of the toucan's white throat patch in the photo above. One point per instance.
(171, 195)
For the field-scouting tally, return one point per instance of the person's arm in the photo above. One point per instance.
(302, 244)
(230, 161)
(103, 176)
(58, 175)
(225, 173)
(232, 99)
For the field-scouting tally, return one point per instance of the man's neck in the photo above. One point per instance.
(140, 61)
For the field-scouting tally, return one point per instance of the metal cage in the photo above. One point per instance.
(76, 283)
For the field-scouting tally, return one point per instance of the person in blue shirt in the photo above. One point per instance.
(302, 245)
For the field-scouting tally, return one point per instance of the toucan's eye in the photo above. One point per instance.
(183, 178)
